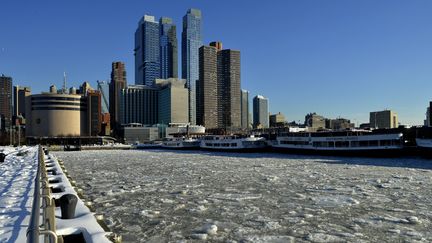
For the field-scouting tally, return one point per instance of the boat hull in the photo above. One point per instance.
(181, 147)
(238, 150)
(384, 152)
(424, 147)
(141, 147)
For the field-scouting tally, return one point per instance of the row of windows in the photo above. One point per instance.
(58, 103)
(295, 142)
(221, 144)
(246, 143)
(55, 98)
(346, 144)
(57, 109)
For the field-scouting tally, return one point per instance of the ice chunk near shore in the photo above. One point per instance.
(199, 236)
(210, 229)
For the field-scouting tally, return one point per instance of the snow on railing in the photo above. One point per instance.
(33, 231)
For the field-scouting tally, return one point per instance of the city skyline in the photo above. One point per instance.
(336, 59)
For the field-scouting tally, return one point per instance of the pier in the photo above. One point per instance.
(37, 202)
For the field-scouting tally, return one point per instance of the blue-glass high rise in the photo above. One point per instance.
(103, 87)
(168, 48)
(147, 56)
(191, 42)
(260, 112)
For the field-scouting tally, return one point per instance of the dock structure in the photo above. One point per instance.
(41, 204)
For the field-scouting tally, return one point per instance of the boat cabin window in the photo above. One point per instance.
(341, 144)
(355, 144)
(373, 143)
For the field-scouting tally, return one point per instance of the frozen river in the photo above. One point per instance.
(170, 196)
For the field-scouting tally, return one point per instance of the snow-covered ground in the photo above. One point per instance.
(160, 196)
(17, 176)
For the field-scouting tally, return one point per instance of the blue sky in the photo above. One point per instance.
(334, 57)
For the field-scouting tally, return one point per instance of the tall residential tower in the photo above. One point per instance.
(118, 82)
(19, 96)
(191, 42)
(5, 101)
(218, 88)
(168, 48)
(103, 87)
(260, 112)
(244, 107)
(147, 51)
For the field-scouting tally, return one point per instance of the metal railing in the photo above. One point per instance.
(48, 206)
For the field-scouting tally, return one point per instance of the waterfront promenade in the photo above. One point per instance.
(30, 209)
(17, 174)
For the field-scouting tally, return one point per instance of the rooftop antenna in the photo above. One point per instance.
(64, 82)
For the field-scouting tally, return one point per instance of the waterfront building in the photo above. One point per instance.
(94, 114)
(118, 82)
(229, 88)
(183, 129)
(56, 115)
(168, 48)
(314, 121)
(147, 51)
(19, 96)
(173, 101)
(105, 125)
(218, 87)
(244, 107)
(207, 89)
(383, 119)
(339, 124)
(5, 101)
(136, 133)
(277, 120)
(103, 88)
(191, 42)
(139, 104)
(260, 112)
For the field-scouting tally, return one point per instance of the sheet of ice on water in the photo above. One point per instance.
(179, 196)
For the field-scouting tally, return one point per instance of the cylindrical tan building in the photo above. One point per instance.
(56, 115)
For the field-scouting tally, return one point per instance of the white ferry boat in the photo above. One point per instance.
(353, 143)
(146, 146)
(424, 146)
(181, 143)
(233, 143)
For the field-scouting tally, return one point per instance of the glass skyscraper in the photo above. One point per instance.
(168, 48)
(244, 97)
(260, 112)
(191, 42)
(103, 87)
(147, 48)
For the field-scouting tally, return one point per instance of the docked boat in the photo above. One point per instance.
(181, 143)
(350, 143)
(233, 143)
(424, 146)
(146, 146)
